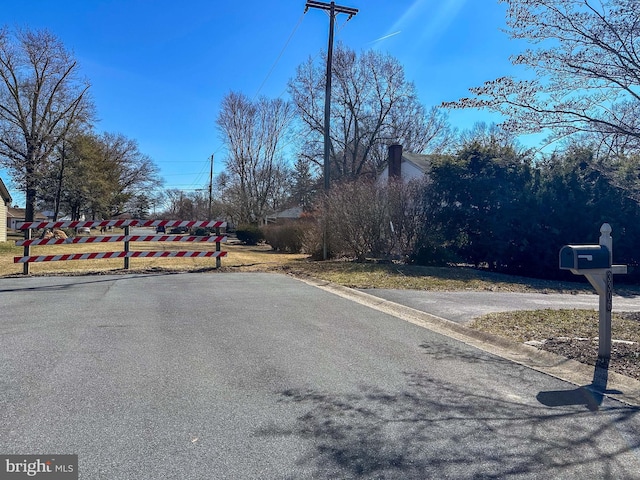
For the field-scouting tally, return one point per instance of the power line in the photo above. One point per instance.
(310, 4)
(333, 10)
(295, 29)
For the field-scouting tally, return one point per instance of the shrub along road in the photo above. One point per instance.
(263, 376)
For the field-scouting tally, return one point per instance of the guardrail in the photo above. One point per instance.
(126, 254)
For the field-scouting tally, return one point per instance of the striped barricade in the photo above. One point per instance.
(120, 224)
(99, 255)
(28, 242)
(120, 238)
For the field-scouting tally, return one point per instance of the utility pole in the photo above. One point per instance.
(210, 188)
(333, 10)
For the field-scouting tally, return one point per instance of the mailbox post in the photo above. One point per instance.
(595, 263)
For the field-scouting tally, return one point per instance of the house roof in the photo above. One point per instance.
(293, 212)
(19, 213)
(5, 193)
(420, 161)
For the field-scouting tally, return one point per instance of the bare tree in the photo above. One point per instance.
(255, 134)
(372, 106)
(41, 99)
(487, 134)
(129, 172)
(586, 72)
(181, 205)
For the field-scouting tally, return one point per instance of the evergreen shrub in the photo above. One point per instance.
(249, 234)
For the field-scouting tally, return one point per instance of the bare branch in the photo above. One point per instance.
(586, 65)
(41, 99)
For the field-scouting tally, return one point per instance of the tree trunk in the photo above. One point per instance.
(30, 191)
(56, 209)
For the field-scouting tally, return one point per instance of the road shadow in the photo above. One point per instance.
(590, 395)
(435, 429)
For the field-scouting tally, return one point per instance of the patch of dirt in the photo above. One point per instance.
(625, 357)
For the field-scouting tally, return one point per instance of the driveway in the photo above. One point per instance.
(463, 307)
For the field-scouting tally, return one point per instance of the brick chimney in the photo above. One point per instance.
(395, 162)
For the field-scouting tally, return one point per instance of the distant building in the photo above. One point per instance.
(16, 215)
(405, 165)
(5, 201)
(288, 215)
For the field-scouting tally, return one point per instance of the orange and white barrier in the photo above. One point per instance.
(27, 243)
(121, 224)
(99, 255)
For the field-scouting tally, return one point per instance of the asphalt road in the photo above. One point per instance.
(258, 376)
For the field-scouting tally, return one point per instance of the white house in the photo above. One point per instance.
(16, 215)
(404, 165)
(5, 201)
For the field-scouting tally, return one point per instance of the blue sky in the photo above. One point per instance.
(159, 69)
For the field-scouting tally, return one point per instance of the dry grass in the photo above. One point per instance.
(540, 325)
(263, 258)
(239, 256)
(412, 277)
(520, 326)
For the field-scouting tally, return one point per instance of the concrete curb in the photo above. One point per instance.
(619, 387)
